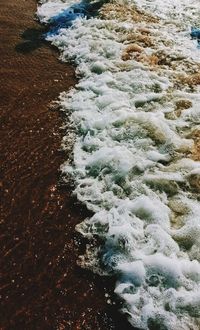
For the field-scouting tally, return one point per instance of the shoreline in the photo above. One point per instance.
(41, 286)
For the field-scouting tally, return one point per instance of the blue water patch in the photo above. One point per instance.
(195, 34)
(66, 18)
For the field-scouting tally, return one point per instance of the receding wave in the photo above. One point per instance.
(136, 161)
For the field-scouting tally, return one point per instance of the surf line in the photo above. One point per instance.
(130, 167)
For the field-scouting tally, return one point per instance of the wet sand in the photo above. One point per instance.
(41, 286)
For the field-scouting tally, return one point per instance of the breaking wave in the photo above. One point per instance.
(136, 162)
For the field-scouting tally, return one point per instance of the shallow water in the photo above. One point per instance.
(39, 278)
(136, 161)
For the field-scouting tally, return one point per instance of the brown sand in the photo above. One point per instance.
(41, 287)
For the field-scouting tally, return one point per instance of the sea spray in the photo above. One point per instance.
(135, 109)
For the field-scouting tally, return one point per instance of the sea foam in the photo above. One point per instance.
(135, 109)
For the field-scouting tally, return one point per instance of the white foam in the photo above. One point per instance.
(130, 161)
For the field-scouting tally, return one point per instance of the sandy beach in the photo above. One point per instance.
(41, 286)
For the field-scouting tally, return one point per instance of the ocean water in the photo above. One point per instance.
(136, 162)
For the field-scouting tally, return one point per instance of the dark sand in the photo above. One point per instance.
(41, 287)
